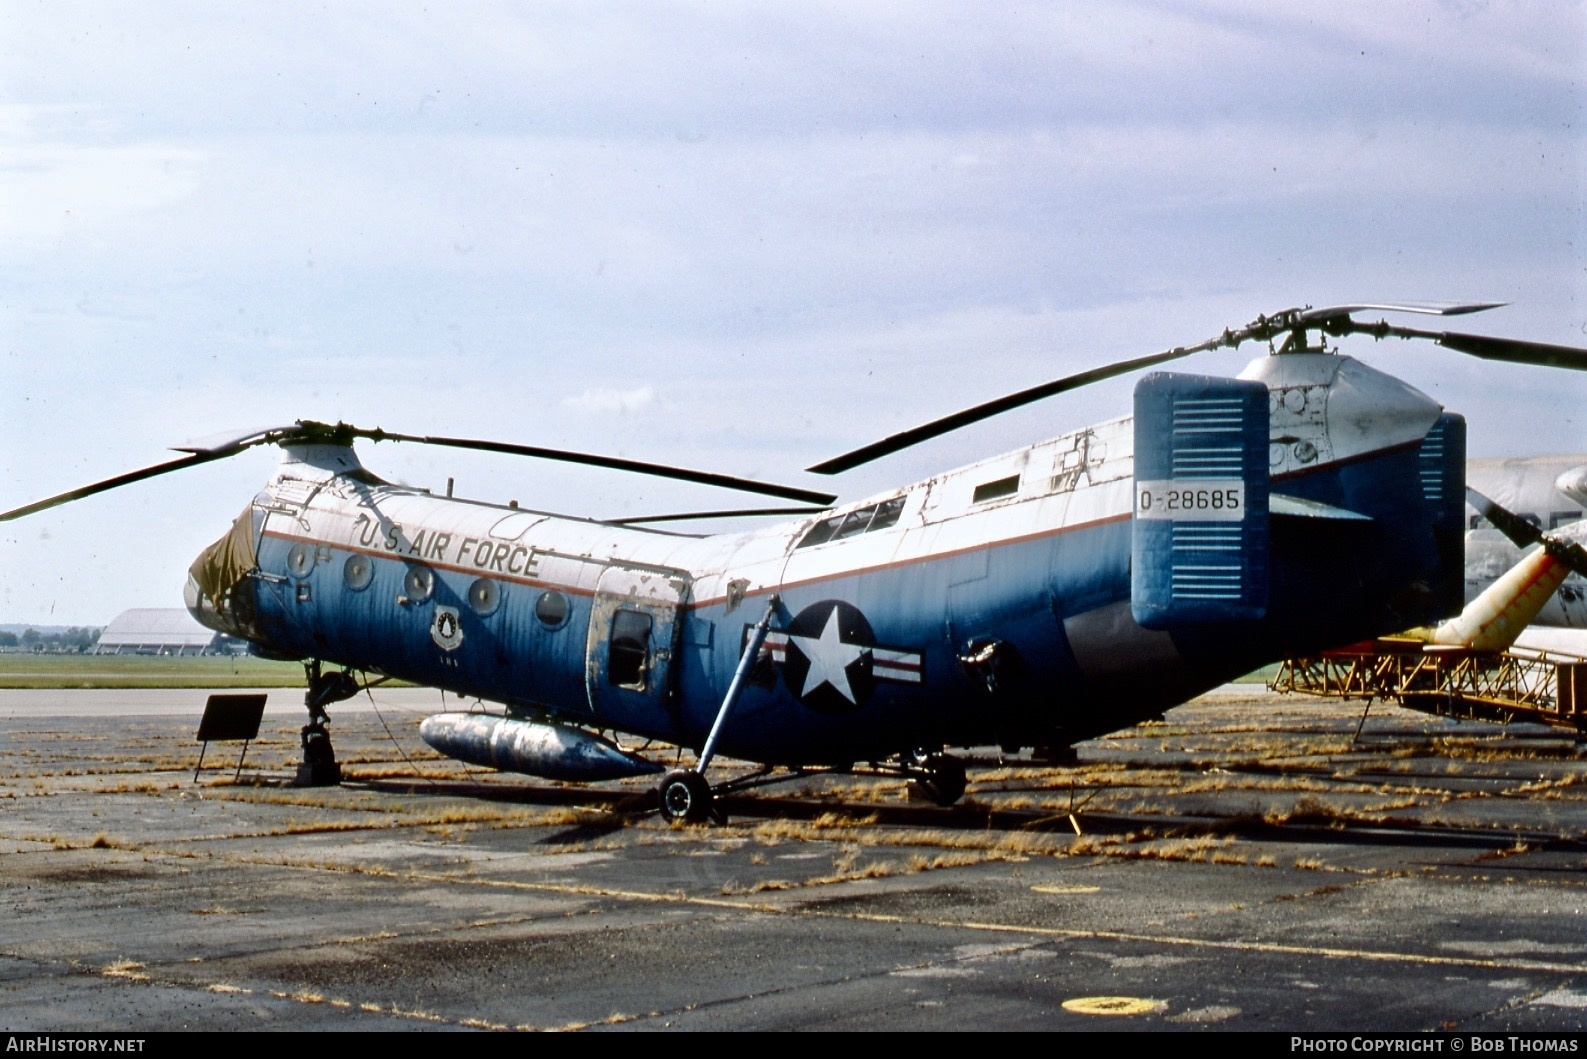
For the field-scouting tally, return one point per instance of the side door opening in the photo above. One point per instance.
(632, 640)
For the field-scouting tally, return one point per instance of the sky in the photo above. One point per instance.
(740, 237)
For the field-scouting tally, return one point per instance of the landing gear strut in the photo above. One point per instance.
(684, 795)
(319, 767)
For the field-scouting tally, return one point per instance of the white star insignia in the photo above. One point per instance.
(829, 658)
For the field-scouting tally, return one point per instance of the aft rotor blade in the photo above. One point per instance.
(1334, 312)
(119, 480)
(902, 440)
(1515, 351)
(1508, 350)
(682, 474)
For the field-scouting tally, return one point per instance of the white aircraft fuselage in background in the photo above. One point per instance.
(1551, 493)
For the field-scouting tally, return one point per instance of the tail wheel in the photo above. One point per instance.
(941, 779)
(685, 797)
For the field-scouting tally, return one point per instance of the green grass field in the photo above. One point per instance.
(144, 671)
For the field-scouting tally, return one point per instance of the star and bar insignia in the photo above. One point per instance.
(828, 656)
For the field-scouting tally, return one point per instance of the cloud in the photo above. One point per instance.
(605, 402)
(55, 193)
(826, 221)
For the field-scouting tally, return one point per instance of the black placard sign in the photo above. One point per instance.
(231, 717)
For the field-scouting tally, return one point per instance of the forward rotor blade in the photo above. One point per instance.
(902, 440)
(689, 516)
(122, 479)
(682, 474)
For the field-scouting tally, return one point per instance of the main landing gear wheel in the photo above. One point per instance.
(685, 797)
(940, 778)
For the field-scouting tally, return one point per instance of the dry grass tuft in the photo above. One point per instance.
(1309, 810)
(307, 996)
(919, 863)
(1520, 847)
(131, 970)
(822, 826)
(1198, 849)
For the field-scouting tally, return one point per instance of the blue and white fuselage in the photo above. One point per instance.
(1026, 600)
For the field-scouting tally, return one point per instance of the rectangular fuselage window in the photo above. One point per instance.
(992, 490)
(628, 651)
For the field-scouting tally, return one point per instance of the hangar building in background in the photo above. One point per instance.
(159, 631)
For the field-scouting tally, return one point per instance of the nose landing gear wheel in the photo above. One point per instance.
(685, 797)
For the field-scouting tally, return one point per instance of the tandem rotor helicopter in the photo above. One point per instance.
(1043, 596)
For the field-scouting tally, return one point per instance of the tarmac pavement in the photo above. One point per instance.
(1244, 865)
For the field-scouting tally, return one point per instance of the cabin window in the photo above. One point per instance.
(484, 595)
(552, 609)
(300, 560)
(628, 650)
(358, 571)
(993, 490)
(419, 584)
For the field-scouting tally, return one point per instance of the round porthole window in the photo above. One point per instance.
(552, 608)
(419, 585)
(484, 595)
(300, 560)
(358, 571)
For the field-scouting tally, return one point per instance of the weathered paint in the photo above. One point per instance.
(1031, 550)
(551, 750)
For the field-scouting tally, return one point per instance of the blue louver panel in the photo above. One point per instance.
(1200, 535)
(1441, 466)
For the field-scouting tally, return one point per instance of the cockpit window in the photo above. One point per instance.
(865, 520)
(854, 522)
(822, 531)
(887, 513)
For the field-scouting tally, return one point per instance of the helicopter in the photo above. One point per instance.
(1065, 589)
(1549, 492)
